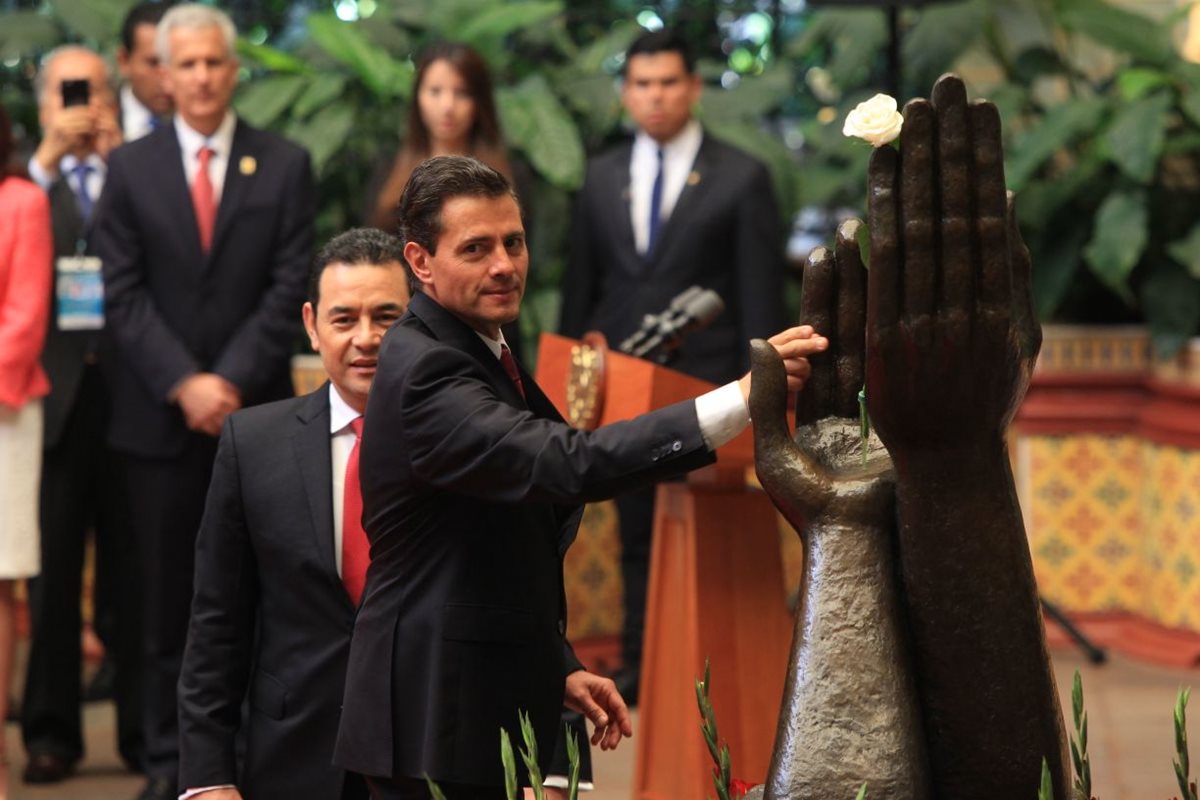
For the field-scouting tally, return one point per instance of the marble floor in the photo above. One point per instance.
(1129, 705)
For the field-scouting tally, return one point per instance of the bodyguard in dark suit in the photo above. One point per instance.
(472, 486)
(81, 486)
(205, 230)
(671, 209)
(277, 577)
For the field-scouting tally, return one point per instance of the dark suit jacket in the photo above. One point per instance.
(172, 309)
(270, 616)
(724, 234)
(64, 351)
(471, 497)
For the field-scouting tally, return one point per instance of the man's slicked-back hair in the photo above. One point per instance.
(433, 182)
(356, 247)
(146, 13)
(662, 41)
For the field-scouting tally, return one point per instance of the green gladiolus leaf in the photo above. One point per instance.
(435, 791)
(1046, 790)
(862, 793)
(1118, 240)
(262, 102)
(510, 765)
(1077, 698)
(572, 764)
(1137, 134)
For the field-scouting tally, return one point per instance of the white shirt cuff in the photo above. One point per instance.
(190, 793)
(39, 175)
(722, 414)
(560, 782)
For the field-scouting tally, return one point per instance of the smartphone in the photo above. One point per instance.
(75, 92)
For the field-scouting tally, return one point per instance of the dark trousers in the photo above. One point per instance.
(167, 501)
(412, 789)
(81, 490)
(636, 513)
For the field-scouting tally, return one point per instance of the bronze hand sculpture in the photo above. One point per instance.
(850, 711)
(951, 338)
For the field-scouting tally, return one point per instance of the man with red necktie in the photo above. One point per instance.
(205, 233)
(281, 557)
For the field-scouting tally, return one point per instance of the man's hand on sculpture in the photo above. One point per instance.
(951, 333)
(597, 699)
(793, 346)
(823, 471)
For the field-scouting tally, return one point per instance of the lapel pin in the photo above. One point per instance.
(693, 178)
(247, 166)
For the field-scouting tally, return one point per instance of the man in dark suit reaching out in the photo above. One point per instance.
(281, 551)
(472, 486)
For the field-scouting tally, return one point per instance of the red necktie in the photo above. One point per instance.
(510, 366)
(356, 550)
(204, 198)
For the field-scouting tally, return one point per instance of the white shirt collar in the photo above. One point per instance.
(686, 142)
(340, 412)
(493, 344)
(93, 160)
(191, 140)
(135, 117)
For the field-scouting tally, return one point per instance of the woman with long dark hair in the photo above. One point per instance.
(453, 112)
(26, 250)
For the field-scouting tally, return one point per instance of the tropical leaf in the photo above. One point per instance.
(322, 89)
(270, 58)
(383, 75)
(25, 32)
(1119, 238)
(501, 19)
(1137, 134)
(1136, 82)
(1125, 32)
(753, 97)
(941, 34)
(536, 123)
(1187, 251)
(1172, 308)
(97, 21)
(324, 133)
(261, 102)
(1059, 127)
(612, 44)
(1057, 262)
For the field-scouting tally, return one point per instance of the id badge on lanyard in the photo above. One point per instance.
(79, 292)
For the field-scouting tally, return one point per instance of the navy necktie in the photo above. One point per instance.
(656, 205)
(82, 195)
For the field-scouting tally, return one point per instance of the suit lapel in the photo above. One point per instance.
(241, 151)
(618, 195)
(172, 183)
(310, 443)
(450, 329)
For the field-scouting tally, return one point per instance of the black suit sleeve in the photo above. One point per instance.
(760, 265)
(266, 337)
(217, 660)
(580, 278)
(462, 437)
(152, 350)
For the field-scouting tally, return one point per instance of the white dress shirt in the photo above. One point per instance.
(679, 155)
(136, 119)
(95, 178)
(341, 442)
(221, 142)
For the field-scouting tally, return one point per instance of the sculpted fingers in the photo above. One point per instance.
(883, 283)
(954, 168)
(995, 266)
(849, 338)
(1024, 314)
(817, 309)
(918, 208)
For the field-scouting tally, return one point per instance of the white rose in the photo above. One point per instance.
(876, 120)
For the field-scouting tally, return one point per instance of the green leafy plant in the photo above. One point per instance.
(1102, 127)
(1046, 786)
(1079, 744)
(1182, 768)
(708, 726)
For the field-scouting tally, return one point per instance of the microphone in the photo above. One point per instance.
(691, 310)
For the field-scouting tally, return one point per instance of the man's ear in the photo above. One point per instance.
(418, 259)
(309, 314)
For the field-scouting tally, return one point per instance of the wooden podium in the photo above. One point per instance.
(716, 591)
